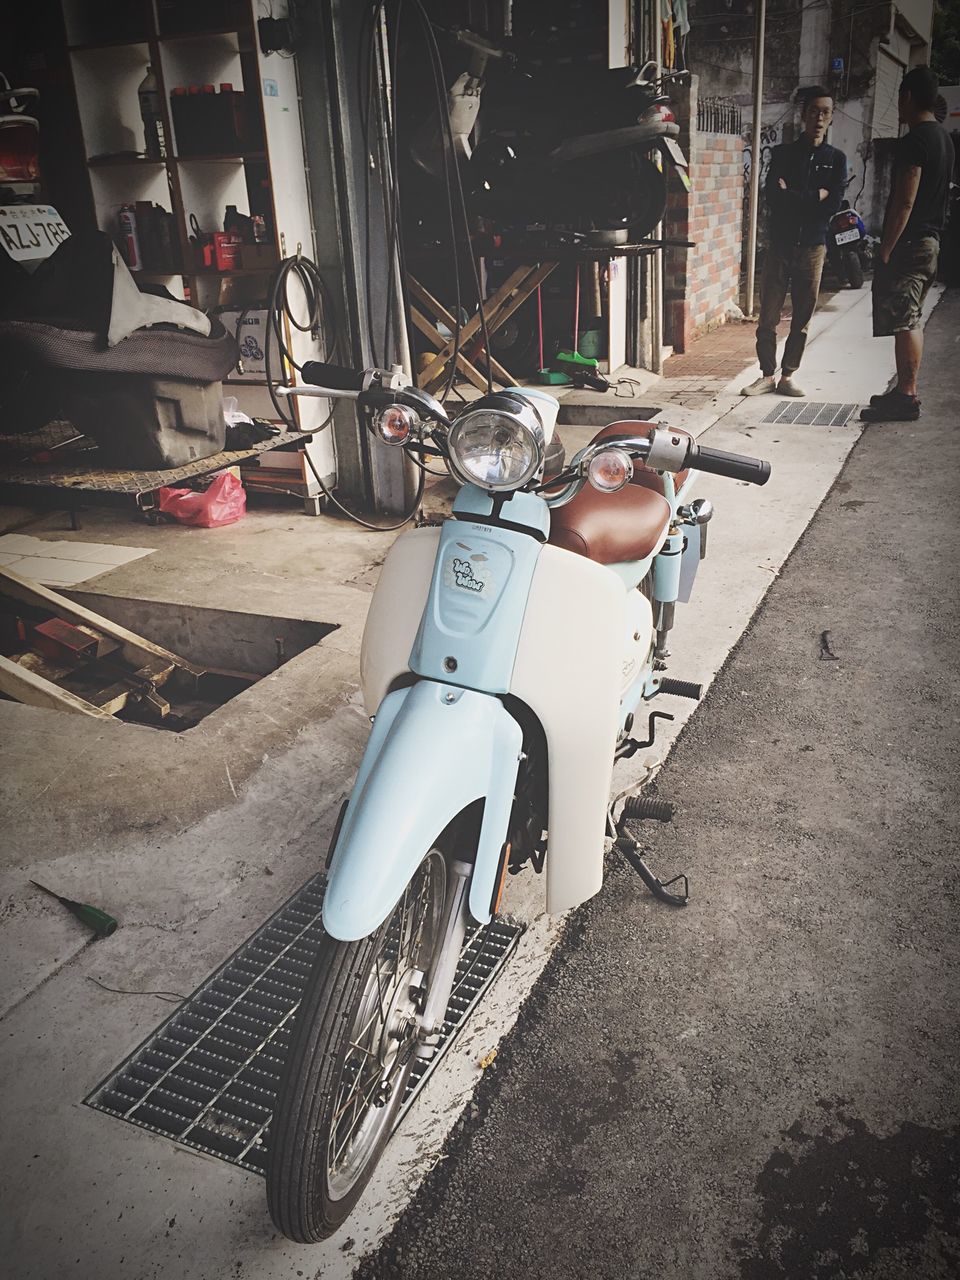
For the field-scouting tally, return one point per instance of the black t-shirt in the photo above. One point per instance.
(928, 147)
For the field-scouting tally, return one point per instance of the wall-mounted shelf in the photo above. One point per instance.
(224, 157)
(210, 34)
(109, 44)
(195, 189)
(127, 162)
(211, 273)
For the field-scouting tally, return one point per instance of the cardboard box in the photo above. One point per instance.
(249, 327)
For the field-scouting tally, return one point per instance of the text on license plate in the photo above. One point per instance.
(844, 237)
(31, 232)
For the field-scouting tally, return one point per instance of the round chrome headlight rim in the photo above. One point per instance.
(526, 429)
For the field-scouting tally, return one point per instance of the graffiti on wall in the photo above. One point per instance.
(770, 136)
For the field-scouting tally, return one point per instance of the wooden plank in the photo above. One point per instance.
(136, 650)
(497, 309)
(467, 330)
(464, 365)
(429, 301)
(426, 328)
(33, 690)
(466, 368)
(112, 699)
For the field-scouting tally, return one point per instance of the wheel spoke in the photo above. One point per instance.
(375, 1051)
(357, 1118)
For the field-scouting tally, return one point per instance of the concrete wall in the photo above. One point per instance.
(702, 285)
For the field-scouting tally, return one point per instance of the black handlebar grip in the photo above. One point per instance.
(736, 466)
(334, 376)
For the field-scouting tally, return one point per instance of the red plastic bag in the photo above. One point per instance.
(223, 502)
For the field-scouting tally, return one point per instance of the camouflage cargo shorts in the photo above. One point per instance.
(900, 286)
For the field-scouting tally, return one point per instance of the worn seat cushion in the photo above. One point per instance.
(611, 527)
(160, 352)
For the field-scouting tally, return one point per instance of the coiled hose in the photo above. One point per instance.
(320, 306)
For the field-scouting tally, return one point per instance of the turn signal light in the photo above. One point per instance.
(610, 470)
(394, 424)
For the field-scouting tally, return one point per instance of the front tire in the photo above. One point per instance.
(853, 268)
(346, 1073)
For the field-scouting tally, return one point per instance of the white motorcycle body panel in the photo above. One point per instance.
(568, 672)
(575, 646)
(395, 612)
(637, 639)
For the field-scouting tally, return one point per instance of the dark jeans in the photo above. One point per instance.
(799, 271)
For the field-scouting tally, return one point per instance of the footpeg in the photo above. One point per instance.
(640, 808)
(637, 809)
(681, 688)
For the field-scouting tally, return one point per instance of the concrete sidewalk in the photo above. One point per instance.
(192, 842)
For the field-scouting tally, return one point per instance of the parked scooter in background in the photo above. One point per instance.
(848, 247)
(508, 659)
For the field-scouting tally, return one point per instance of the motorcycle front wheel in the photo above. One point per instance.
(853, 268)
(353, 1046)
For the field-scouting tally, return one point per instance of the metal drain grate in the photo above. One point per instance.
(812, 413)
(208, 1076)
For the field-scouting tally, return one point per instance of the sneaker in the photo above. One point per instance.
(766, 382)
(787, 387)
(890, 399)
(907, 410)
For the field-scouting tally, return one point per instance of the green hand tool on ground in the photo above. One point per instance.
(101, 923)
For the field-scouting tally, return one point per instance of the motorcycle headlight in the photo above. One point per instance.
(497, 448)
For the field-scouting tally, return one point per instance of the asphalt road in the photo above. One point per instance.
(765, 1083)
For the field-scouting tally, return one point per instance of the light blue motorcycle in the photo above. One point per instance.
(506, 657)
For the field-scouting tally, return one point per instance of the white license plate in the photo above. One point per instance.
(31, 232)
(674, 152)
(844, 237)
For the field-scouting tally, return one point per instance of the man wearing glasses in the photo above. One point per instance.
(803, 188)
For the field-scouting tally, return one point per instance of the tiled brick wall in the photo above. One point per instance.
(701, 284)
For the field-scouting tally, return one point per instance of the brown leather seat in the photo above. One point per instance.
(611, 527)
(642, 475)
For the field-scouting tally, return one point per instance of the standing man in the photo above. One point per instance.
(804, 186)
(910, 247)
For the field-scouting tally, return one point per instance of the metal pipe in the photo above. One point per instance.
(656, 264)
(755, 153)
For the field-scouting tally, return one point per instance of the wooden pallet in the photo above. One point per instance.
(59, 655)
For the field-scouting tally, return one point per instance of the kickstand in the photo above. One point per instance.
(660, 889)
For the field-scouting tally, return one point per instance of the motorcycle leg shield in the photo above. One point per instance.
(434, 749)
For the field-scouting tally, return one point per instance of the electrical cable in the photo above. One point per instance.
(368, 43)
(446, 151)
(448, 130)
(312, 284)
(319, 304)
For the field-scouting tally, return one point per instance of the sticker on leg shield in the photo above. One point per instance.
(468, 572)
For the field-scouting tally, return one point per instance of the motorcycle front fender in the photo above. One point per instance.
(434, 750)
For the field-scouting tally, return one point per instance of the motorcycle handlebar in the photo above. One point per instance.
(735, 466)
(335, 376)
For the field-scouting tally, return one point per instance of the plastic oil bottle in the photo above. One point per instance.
(155, 142)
